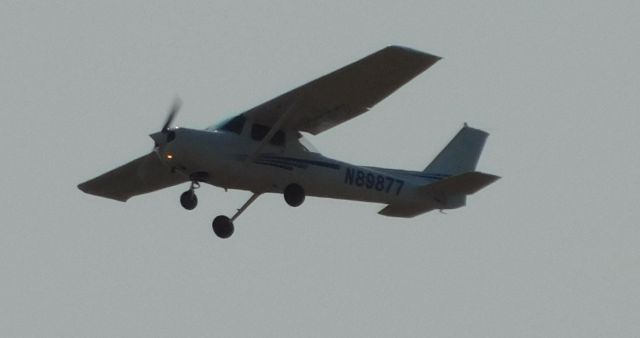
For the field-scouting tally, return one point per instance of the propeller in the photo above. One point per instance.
(172, 114)
(165, 135)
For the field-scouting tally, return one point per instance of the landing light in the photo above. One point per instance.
(169, 156)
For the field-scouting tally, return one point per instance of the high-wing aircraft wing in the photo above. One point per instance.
(345, 93)
(142, 175)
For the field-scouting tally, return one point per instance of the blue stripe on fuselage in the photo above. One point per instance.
(288, 163)
(299, 161)
(281, 166)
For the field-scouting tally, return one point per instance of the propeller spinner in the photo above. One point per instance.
(165, 135)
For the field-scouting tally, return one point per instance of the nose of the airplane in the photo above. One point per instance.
(163, 137)
(161, 147)
(158, 138)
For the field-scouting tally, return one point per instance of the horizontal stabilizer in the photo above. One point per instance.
(142, 175)
(407, 210)
(464, 184)
(449, 193)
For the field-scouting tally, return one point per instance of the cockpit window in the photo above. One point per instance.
(278, 138)
(259, 131)
(235, 125)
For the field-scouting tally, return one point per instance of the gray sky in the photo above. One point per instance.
(551, 250)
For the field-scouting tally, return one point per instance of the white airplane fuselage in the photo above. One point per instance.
(228, 160)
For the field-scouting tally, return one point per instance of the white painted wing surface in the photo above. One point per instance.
(142, 175)
(345, 93)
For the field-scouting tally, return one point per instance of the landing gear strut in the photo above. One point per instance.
(223, 226)
(188, 199)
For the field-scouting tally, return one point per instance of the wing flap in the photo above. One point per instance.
(345, 93)
(142, 175)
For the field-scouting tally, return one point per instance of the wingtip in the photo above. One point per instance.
(82, 186)
(86, 188)
(430, 56)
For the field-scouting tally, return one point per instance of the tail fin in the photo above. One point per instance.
(461, 154)
(454, 169)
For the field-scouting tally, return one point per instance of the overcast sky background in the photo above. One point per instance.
(551, 250)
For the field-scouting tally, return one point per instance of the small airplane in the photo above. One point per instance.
(262, 150)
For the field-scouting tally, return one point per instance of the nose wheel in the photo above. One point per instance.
(188, 199)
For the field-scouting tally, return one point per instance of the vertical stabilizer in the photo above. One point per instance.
(461, 154)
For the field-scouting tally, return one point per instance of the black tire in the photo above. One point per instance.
(189, 200)
(294, 195)
(222, 226)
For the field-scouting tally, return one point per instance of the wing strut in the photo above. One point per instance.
(245, 206)
(283, 118)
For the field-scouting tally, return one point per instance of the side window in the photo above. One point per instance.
(278, 139)
(259, 131)
(235, 125)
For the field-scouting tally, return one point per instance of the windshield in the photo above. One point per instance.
(258, 132)
(234, 124)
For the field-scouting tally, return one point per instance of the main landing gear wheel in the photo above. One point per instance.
(294, 195)
(222, 226)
